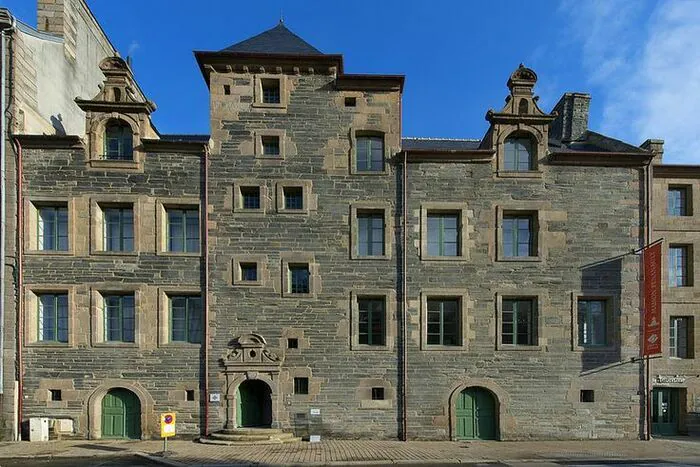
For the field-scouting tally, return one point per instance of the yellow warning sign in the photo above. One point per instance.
(167, 424)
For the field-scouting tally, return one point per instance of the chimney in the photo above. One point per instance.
(572, 117)
(656, 147)
(58, 17)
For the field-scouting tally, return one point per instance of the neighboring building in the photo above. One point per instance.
(306, 266)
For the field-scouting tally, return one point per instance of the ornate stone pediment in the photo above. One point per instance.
(249, 351)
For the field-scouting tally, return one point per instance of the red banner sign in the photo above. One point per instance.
(651, 262)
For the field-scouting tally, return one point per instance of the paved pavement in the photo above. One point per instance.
(682, 451)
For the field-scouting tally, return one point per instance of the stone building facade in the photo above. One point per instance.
(307, 268)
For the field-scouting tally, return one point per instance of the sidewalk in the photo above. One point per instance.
(187, 453)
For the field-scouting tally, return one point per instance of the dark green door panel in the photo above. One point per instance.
(475, 413)
(254, 404)
(665, 411)
(121, 415)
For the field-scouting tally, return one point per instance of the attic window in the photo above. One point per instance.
(227, 89)
(350, 102)
(118, 141)
(519, 154)
(270, 91)
(523, 107)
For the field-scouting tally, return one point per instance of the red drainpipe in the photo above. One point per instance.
(205, 200)
(20, 285)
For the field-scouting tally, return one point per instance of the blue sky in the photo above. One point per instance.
(639, 59)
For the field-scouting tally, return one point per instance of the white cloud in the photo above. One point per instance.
(647, 62)
(133, 47)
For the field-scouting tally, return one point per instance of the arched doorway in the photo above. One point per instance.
(254, 404)
(476, 414)
(121, 414)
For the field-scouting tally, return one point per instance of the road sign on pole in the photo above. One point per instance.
(167, 428)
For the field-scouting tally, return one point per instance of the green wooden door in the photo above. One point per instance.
(253, 404)
(121, 415)
(475, 412)
(664, 411)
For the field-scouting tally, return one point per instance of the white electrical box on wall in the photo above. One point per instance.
(38, 429)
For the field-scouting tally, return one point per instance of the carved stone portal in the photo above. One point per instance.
(247, 358)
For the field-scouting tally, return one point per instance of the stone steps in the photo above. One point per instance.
(249, 436)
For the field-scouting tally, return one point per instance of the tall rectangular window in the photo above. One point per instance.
(370, 233)
(519, 236)
(299, 276)
(118, 229)
(678, 201)
(270, 91)
(679, 341)
(519, 322)
(371, 321)
(443, 234)
(444, 321)
(370, 154)
(119, 318)
(293, 198)
(183, 230)
(678, 267)
(592, 323)
(519, 154)
(186, 319)
(53, 317)
(52, 228)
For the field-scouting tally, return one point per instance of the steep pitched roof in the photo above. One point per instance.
(439, 144)
(590, 141)
(278, 40)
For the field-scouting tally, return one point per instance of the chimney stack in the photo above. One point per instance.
(572, 117)
(59, 17)
(656, 147)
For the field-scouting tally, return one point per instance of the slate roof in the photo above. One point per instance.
(590, 141)
(278, 40)
(185, 138)
(439, 144)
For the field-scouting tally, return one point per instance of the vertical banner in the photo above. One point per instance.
(651, 262)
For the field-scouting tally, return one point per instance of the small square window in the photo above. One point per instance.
(270, 145)
(249, 272)
(227, 89)
(56, 394)
(189, 395)
(250, 197)
(350, 101)
(301, 385)
(679, 201)
(292, 343)
(293, 198)
(299, 276)
(270, 91)
(377, 394)
(587, 395)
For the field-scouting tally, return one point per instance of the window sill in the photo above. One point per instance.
(532, 174)
(292, 212)
(370, 258)
(257, 212)
(443, 348)
(520, 348)
(180, 253)
(681, 359)
(371, 348)
(127, 165)
(265, 105)
(49, 345)
(115, 253)
(438, 259)
(298, 295)
(279, 157)
(48, 252)
(242, 283)
(380, 404)
(520, 259)
(594, 349)
(182, 345)
(116, 344)
(369, 172)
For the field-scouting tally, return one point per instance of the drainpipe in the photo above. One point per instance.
(205, 201)
(20, 285)
(404, 302)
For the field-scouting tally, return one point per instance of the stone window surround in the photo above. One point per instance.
(67, 388)
(31, 220)
(237, 197)
(389, 296)
(258, 144)
(363, 393)
(287, 386)
(540, 146)
(314, 275)
(31, 314)
(464, 306)
(97, 313)
(97, 205)
(386, 209)
(685, 311)
(262, 270)
(691, 259)
(164, 294)
(368, 131)
(162, 205)
(445, 207)
(689, 205)
(541, 228)
(96, 133)
(612, 306)
(536, 295)
(258, 92)
(309, 201)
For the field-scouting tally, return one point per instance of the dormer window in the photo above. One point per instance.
(271, 91)
(118, 141)
(519, 154)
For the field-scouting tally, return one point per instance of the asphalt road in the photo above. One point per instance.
(102, 461)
